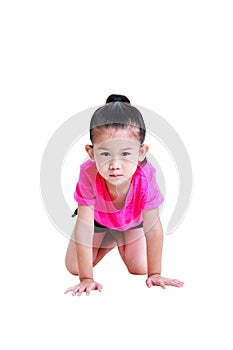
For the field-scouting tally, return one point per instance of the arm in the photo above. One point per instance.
(83, 234)
(154, 239)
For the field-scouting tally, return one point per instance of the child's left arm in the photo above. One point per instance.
(154, 239)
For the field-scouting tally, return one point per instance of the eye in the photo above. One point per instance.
(105, 154)
(125, 154)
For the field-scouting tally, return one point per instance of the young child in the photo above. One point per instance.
(118, 200)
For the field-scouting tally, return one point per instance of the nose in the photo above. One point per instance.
(114, 164)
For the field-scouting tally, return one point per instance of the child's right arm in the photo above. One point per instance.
(83, 235)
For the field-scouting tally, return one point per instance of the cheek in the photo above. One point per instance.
(131, 162)
(102, 165)
(130, 167)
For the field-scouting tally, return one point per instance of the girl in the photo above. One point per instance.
(118, 200)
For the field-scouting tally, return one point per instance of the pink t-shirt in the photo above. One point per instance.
(143, 194)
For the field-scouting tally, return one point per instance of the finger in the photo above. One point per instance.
(75, 291)
(179, 282)
(161, 284)
(148, 282)
(80, 291)
(88, 290)
(99, 287)
(174, 283)
(169, 282)
(69, 290)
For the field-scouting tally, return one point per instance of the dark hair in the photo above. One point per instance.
(119, 98)
(118, 113)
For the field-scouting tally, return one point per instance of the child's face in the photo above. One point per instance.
(116, 153)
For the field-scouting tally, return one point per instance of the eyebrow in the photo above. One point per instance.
(122, 149)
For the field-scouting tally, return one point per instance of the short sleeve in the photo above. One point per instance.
(153, 196)
(84, 193)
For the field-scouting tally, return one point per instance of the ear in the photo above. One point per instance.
(90, 152)
(143, 151)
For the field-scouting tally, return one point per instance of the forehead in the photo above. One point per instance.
(116, 138)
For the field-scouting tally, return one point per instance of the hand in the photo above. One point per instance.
(86, 285)
(157, 280)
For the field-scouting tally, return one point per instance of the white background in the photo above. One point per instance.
(61, 57)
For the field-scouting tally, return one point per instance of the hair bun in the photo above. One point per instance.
(117, 98)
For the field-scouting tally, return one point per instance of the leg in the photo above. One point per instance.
(107, 244)
(133, 252)
(102, 244)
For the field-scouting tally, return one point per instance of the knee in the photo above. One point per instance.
(72, 271)
(136, 269)
(71, 268)
(137, 272)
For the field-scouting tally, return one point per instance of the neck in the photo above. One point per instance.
(115, 190)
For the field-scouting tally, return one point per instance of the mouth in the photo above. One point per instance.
(115, 175)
